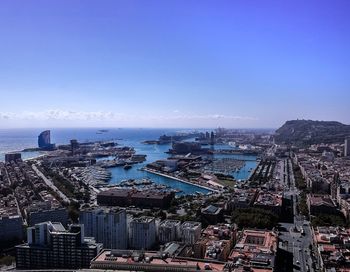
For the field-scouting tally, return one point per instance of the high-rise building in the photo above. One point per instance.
(39, 212)
(9, 157)
(74, 145)
(347, 147)
(51, 246)
(186, 147)
(169, 230)
(142, 232)
(11, 227)
(11, 222)
(44, 140)
(190, 232)
(107, 226)
(212, 138)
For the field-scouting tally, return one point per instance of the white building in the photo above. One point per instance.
(51, 246)
(107, 226)
(169, 230)
(191, 232)
(142, 233)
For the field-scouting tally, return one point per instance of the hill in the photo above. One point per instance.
(306, 132)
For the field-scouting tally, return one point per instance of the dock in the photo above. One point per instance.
(178, 179)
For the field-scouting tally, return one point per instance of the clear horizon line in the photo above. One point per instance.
(132, 127)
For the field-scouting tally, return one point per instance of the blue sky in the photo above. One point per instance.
(173, 63)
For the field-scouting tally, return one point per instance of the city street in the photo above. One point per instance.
(50, 184)
(296, 236)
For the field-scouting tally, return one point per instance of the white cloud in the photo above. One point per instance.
(211, 117)
(4, 116)
(59, 117)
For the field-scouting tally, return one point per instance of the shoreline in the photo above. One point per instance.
(40, 155)
(34, 158)
(178, 179)
(253, 172)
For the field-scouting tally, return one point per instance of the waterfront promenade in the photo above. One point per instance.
(178, 179)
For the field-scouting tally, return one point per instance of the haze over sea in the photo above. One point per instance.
(19, 139)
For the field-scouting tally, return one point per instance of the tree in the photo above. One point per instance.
(7, 260)
(73, 211)
(254, 218)
(328, 220)
(172, 209)
(161, 214)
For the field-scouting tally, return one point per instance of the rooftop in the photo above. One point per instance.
(170, 223)
(321, 200)
(143, 219)
(103, 210)
(221, 231)
(254, 242)
(191, 224)
(269, 199)
(148, 260)
(211, 209)
(58, 227)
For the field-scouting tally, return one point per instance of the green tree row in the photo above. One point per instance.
(254, 218)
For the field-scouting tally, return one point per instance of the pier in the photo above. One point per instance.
(235, 152)
(178, 179)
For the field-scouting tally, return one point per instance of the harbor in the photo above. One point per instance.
(180, 180)
(225, 166)
(124, 158)
(92, 175)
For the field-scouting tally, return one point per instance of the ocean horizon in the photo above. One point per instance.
(18, 139)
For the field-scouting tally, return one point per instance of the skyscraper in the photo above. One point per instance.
(51, 246)
(44, 140)
(347, 147)
(107, 226)
(190, 232)
(169, 230)
(212, 138)
(142, 232)
(74, 145)
(13, 156)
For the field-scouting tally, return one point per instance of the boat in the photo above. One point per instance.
(176, 190)
(127, 166)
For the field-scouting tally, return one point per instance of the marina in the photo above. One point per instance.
(180, 180)
(225, 166)
(92, 175)
(146, 184)
(128, 138)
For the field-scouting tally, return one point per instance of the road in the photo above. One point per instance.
(297, 235)
(50, 184)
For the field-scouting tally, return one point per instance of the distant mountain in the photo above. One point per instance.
(305, 132)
